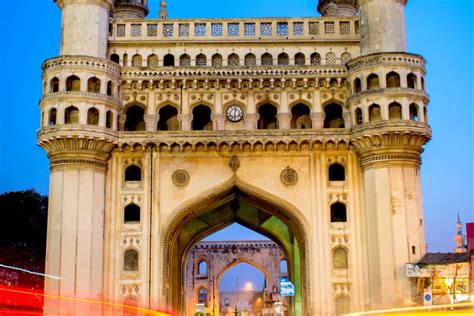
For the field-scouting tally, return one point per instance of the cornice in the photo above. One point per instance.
(81, 62)
(79, 96)
(390, 92)
(402, 59)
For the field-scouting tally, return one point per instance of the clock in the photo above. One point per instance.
(235, 113)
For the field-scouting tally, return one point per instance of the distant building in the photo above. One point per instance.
(460, 238)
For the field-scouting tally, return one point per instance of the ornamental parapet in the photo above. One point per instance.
(81, 62)
(400, 59)
(80, 95)
(391, 93)
(247, 244)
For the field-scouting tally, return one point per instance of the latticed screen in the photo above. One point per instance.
(283, 60)
(331, 58)
(313, 28)
(298, 28)
(233, 29)
(345, 28)
(282, 29)
(168, 30)
(153, 61)
(250, 60)
(183, 29)
(267, 60)
(266, 29)
(342, 305)
(249, 29)
(345, 57)
(120, 30)
(217, 60)
(216, 29)
(315, 59)
(201, 60)
(152, 30)
(329, 27)
(136, 30)
(185, 61)
(200, 29)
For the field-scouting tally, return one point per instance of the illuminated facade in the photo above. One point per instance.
(162, 131)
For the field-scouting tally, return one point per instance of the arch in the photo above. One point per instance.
(202, 118)
(73, 83)
(337, 172)
(333, 116)
(131, 213)
(137, 61)
(125, 60)
(267, 117)
(339, 258)
(373, 82)
(345, 57)
(357, 85)
(240, 261)
(110, 88)
(54, 85)
(109, 119)
(115, 58)
(201, 60)
(168, 118)
(315, 59)
(233, 60)
(423, 83)
(93, 85)
(412, 81)
(338, 213)
(131, 260)
(266, 59)
(202, 294)
(135, 120)
(425, 114)
(217, 60)
(359, 118)
(71, 115)
(300, 117)
(202, 267)
(153, 61)
(283, 59)
(93, 116)
(330, 58)
(394, 111)
(168, 60)
(393, 80)
(375, 113)
(250, 60)
(300, 59)
(185, 60)
(414, 114)
(133, 173)
(52, 116)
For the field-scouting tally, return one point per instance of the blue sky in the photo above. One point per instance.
(441, 31)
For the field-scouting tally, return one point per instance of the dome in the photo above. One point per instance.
(130, 9)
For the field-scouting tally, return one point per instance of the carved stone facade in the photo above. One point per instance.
(161, 132)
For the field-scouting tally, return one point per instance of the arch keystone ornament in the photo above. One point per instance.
(289, 176)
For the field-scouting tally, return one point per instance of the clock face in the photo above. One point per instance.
(235, 113)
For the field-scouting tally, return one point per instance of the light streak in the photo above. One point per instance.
(29, 271)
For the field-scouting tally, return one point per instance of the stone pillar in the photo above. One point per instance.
(151, 121)
(251, 121)
(186, 121)
(284, 120)
(317, 119)
(218, 121)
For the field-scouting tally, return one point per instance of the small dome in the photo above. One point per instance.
(338, 7)
(130, 9)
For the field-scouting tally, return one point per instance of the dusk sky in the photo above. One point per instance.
(442, 31)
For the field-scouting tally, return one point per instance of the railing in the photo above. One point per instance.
(101, 96)
(236, 29)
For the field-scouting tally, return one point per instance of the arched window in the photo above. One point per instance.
(339, 258)
(233, 60)
(411, 81)
(52, 117)
(330, 58)
(268, 117)
(54, 85)
(202, 296)
(133, 173)
(93, 116)
(394, 111)
(109, 119)
(333, 116)
(423, 83)
(283, 59)
(414, 112)
(343, 305)
(185, 60)
(110, 88)
(217, 60)
(168, 119)
(315, 59)
(201, 60)
(130, 260)
(131, 213)
(300, 59)
(393, 80)
(345, 57)
(337, 172)
(137, 61)
(125, 60)
(202, 118)
(283, 267)
(202, 267)
(266, 59)
(71, 115)
(300, 118)
(168, 60)
(357, 85)
(153, 61)
(359, 119)
(93, 85)
(375, 113)
(373, 82)
(135, 119)
(338, 213)
(250, 60)
(115, 58)
(73, 83)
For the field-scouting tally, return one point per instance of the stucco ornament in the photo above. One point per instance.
(289, 176)
(234, 163)
(180, 178)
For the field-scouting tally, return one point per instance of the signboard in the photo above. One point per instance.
(427, 297)
(286, 287)
(412, 270)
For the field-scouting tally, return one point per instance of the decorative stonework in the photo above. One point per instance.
(289, 176)
(180, 178)
(234, 163)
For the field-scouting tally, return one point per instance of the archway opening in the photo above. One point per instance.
(135, 119)
(168, 119)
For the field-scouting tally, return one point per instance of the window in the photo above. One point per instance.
(313, 28)
(267, 59)
(200, 29)
(330, 58)
(283, 59)
(130, 260)
(216, 29)
(73, 83)
(133, 173)
(54, 85)
(183, 29)
(345, 57)
(249, 29)
(71, 115)
(136, 61)
(135, 120)
(93, 85)
(333, 116)
(168, 29)
(414, 112)
(168, 60)
(282, 28)
(358, 117)
(357, 85)
(343, 304)
(52, 117)
(266, 29)
(168, 119)
(250, 60)
(115, 58)
(393, 80)
(268, 117)
(315, 59)
(344, 28)
(120, 30)
(109, 119)
(375, 113)
(300, 59)
(298, 28)
(373, 82)
(153, 61)
(283, 267)
(93, 116)
(337, 172)
(233, 60)
(201, 60)
(202, 268)
(411, 81)
(110, 88)
(202, 296)
(329, 28)
(233, 29)
(152, 30)
(131, 213)
(338, 213)
(300, 118)
(136, 30)
(217, 60)
(202, 118)
(394, 111)
(339, 258)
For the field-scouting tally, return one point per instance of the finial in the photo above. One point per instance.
(163, 12)
(459, 221)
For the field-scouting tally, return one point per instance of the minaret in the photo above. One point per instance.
(80, 109)
(130, 9)
(459, 238)
(163, 12)
(388, 106)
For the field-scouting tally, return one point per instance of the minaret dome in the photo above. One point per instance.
(338, 7)
(130, 9)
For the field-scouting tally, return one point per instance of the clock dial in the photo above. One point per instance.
(235, 113)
